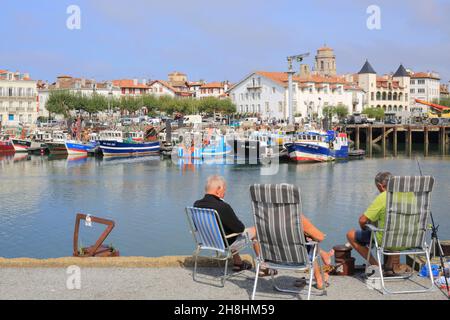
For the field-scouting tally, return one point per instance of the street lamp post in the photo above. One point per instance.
(290, 72)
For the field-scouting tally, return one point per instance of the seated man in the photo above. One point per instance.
(375, 214)
(215, 192)
(312, 233)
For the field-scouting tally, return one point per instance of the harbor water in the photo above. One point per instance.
(41, 195)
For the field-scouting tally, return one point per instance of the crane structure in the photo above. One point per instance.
(437, 115)
(290, 72)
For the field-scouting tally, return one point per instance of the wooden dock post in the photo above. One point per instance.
(442, 142)
(409, 141)
(395, 141)
(425, 141)
(357, 137)
(383, 140)
(369, 140)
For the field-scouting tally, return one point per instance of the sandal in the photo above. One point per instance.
(327, 284)
(267, 272)
(245, 265)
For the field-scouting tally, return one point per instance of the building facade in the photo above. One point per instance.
(425, 86)
(131, 87)
(444, 92)
(18, 98)
(86, 87)
(213, 89)
(390, 92)
(266, 94)
(324, 64)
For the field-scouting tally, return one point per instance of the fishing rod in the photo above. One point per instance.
(435, 240)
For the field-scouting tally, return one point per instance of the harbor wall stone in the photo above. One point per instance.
(101, 262)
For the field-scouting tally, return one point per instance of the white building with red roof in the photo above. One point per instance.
(266, 94)
(164, 88)
(425, 86)
(213, 89)
(132, 87)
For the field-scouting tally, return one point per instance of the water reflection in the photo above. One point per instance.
(146, 197)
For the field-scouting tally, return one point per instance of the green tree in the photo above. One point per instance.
(131, 104)
(443, 102)
(151, 103)
(61, 102)
(341, 111)
(377, 113)
(95, 103)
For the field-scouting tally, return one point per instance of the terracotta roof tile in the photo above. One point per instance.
(424, 75)
(213, 85)
(128, 83)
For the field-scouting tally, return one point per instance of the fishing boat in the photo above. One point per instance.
(129, 148)
(318, 146)
(58, 144)
(6, 145)
(137, 136)
(212, 147)
(21, 145)
(78, 147)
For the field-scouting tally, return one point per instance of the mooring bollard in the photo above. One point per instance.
(345, 264)
(98, 249)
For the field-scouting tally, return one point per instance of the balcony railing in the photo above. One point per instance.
(253, 86)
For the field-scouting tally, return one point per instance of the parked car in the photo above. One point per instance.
(356, 118)
(390, 118)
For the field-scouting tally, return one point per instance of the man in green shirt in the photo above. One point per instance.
(375, 213)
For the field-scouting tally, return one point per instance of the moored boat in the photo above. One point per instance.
(212, 147)
(6, 146)
(21, 145)
(117, 148)
(77, 147)
(318, 146)
(57, 145)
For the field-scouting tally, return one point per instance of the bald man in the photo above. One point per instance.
(215, 190)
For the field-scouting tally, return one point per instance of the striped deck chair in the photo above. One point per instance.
(208, 233)
(406, 224)
(277, 212)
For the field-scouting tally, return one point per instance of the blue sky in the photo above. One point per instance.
(218, 40)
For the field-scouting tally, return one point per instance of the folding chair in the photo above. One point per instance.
(208, 233)
(406, 225)
(277, 212)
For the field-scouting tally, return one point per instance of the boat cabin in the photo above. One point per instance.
(42, 136)
(110, 135)
(135, 136)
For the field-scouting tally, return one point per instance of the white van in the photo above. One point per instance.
(192, 119)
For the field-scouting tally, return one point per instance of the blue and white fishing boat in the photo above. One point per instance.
(214, 147)
(117, 148)
(318, 146)
(78, 148)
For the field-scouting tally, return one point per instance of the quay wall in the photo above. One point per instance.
(110, 262)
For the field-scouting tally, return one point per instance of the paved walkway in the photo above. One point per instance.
(171, 283)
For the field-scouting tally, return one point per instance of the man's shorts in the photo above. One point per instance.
(243, 239)
(363, 237)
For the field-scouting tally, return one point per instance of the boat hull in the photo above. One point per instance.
(77, 148)
(21, 145)
(6, 147)
(303, 152)
(117, 149)
(57, 147)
